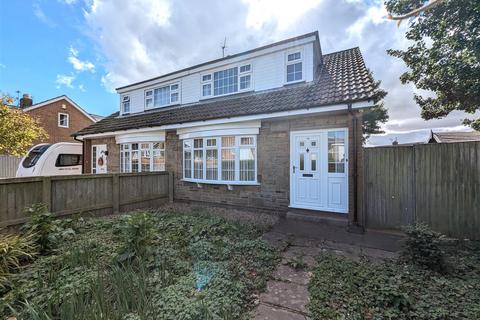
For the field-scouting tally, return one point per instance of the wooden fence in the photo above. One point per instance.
(8, 165)
(438, 184)
(87, 194)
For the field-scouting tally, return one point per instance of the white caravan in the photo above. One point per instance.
(63, 158)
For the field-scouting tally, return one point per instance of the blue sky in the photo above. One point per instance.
(40, 38)
(86, 48)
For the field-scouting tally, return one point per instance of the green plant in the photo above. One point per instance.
(14, 250)
(297, 263)
(138, 232)
(423, 247)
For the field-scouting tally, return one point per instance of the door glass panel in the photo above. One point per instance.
(336, 152)
(302, 162)
(302, 143)
(313, 159)
(313, 143)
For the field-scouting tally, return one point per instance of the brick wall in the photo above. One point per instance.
(113, 158)
(48, 117)
(273, 155)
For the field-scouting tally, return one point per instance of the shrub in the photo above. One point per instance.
(14, 250)
(423, 247)
(138, 232)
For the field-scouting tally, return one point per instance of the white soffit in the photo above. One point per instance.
(224, 129)
(152, 136)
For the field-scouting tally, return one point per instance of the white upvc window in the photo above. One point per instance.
(125, 104)
(222, 160)
(142, 157)
(162, 96)
(63, 120)
(227, 81)
(294, 66)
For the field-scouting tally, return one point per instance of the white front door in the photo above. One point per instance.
(99, 158)
(319, 170)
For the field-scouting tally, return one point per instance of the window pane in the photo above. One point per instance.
(135, 161)
(246, 141)
(207, 90)
(174, 87)
(187, 144)
(212, 164)
(146, 156)
(158, 160)
(161, 96)
(225, 81)
(228, 142)
(313, 159)
(174, 97)
(198, 143)
(244, 82)
(294, 56)
(126, 107)
(245, 68)
(149, 103)
(247, 164)
(302, 162)
(211, 142)
(294, 72)
(228, 164)
(127, 162)
(68, 160)
(159, 145)
(198, 164)
(336, 152)
(207, 77)
(187, 164)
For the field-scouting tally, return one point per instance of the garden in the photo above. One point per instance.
(141, 265)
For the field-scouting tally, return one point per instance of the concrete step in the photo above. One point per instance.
(327, 218)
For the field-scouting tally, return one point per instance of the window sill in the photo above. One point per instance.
(286, 84)
(231, 183)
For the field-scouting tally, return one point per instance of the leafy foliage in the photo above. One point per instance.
(195, 267)
(345, 289)
(18, 130)
(14, 251)
(445, 56)
(375, 116)
(423, 247)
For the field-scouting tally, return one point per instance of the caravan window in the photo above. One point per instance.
(68, 160)
(33, 156)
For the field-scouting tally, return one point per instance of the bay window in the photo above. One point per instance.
(225, 159)
(142, 157)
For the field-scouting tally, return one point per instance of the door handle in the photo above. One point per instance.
(294, 169)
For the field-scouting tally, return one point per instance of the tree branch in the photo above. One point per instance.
(415, 12)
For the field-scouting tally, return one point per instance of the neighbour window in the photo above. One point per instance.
(68, 160)
(63, 120)
(162, 96)
(227, 81)
(336, 151)
(220, 159)
(126, 104)
(142, 157)
(294, 67)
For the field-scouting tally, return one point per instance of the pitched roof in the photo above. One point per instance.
(55, 99)
(445, 137)
(343, 78)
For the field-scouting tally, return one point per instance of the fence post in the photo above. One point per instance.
(116, 193)
(47, 192)
(170, 186)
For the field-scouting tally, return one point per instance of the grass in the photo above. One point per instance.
(144, 266)
(345, 289)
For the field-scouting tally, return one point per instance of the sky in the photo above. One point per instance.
(87, 48)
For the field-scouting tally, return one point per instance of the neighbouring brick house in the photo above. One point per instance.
(61, 117)
(276, 127)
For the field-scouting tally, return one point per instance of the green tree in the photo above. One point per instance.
(375, 116)
(444, 57)
(18, 130)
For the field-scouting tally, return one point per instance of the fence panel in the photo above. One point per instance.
(92, 194)
(8, 166)
(438, 184)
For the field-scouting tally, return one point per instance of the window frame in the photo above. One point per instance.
(171, 92)
(139, 150)
(78, 156)
(240, 74)
(67, 120)
(125, 100)
(293, 62)
(219, 147)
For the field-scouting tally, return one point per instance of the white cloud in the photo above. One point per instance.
(146, 38)
(69, 2)
(78, 64)
(64, 80)
(2, 66)
(38, 12)
(81, 87)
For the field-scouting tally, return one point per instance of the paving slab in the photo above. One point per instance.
(277, 240)
(289, 274)
(288, 295)
(264, 312)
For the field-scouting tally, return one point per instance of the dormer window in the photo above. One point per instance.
(294, 67)
(126, 104)
(162, 96)
(228, 81)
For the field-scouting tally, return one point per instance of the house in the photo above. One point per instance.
(276, 127)
(448, 137)
(61, 117)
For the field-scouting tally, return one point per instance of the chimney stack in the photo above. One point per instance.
(25, 101)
